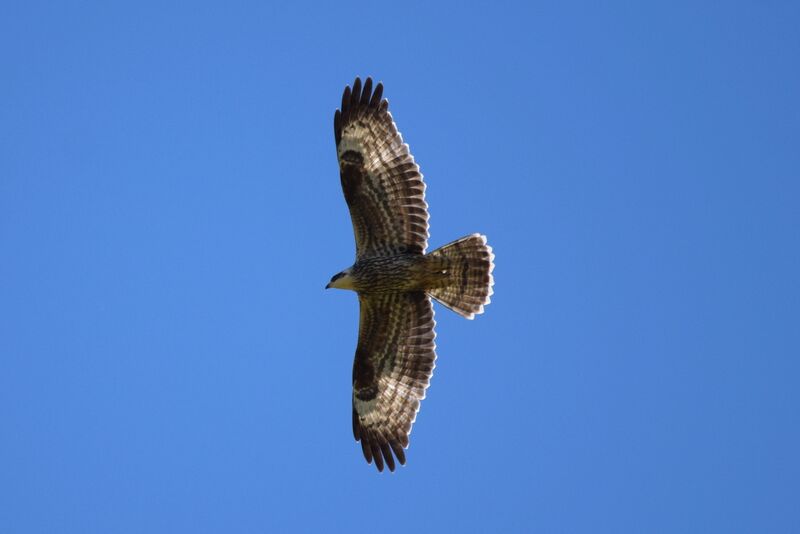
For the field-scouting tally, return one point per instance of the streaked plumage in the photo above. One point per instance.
(393, 276)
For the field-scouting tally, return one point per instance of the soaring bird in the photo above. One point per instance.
(394, 278)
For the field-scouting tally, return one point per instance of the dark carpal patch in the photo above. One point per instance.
(353, 157)
(351, 178)
(364, 385)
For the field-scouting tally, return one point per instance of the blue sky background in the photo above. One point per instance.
(170, 212)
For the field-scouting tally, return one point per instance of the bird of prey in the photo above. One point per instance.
(393, 276)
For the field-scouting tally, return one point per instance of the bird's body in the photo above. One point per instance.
(393, 276)
(398, 272)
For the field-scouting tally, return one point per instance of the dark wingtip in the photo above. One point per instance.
(355, 97)
(366, 450)
(377, 456)
(359, 97)
(387, 456)
(399, 452)
(345, 103)
(380, 450)
(366, 93)
(337, 126)
(376, 96)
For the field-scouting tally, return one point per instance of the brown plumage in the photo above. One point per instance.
(393, 276)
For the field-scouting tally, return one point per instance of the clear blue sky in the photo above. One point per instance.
(170, 212)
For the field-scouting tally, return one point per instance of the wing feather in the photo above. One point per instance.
(393, 366)
(381, 181)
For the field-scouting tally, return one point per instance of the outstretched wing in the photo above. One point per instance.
(382, 184)
(392, 369)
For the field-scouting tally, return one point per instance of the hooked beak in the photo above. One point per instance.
(328, 286)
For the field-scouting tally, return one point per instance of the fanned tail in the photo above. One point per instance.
(469, 262)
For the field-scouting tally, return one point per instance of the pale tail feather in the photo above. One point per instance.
(470, 262)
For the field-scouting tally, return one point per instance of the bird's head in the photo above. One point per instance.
(343, 280)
